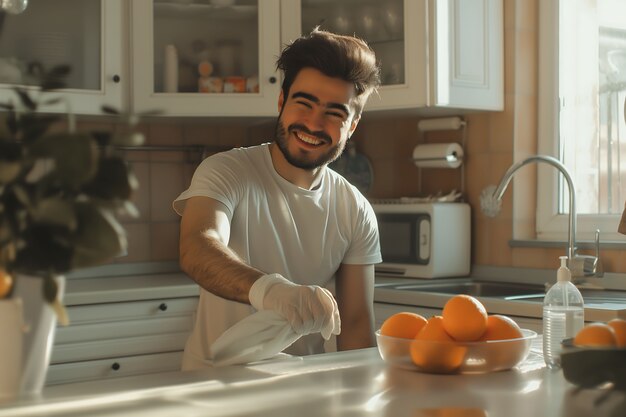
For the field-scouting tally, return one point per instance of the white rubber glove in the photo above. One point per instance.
(307, 308)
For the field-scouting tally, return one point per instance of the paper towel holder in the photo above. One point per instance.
(444, 156)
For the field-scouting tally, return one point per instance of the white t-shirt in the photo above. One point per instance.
(278, 227)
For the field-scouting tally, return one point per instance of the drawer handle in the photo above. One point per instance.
(115, 366)
(163, 307)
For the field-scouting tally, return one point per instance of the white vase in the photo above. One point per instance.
(40, 321)
(11, 331)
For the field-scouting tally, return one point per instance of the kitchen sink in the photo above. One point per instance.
(507, 290)
(590, 296)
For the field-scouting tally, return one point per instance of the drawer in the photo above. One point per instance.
(131, 310)
(112, 348)
(115, 367)
(122, 329)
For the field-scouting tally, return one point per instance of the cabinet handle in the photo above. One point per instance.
(163, 307)
(116, 78)
(115, 366)
(272, 80)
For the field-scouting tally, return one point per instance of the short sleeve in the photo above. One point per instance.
(365, 246)
(217, 177)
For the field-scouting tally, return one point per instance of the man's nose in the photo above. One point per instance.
(315, 120)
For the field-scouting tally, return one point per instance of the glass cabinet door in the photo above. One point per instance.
(397, 31)
(207, 57)
(380, 23)
(64, 32)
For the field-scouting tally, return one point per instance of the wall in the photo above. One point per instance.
(492, 141)
(163, 175)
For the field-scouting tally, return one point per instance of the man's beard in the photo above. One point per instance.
(303, 161)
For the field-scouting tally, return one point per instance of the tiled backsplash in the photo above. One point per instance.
(163, 175)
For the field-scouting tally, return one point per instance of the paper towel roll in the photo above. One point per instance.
(170, 69)
(439, 155)
(443, 123)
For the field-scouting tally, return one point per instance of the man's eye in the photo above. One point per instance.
(305, 104)
(337, 115)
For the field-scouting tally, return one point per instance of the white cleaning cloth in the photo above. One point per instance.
(259, 336)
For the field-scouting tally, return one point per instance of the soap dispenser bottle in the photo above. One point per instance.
(563, 315)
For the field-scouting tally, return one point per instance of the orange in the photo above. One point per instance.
(6, 282)
(464, 318)
(619, 327)
(501, 328)
(596, 334)
(404, 325)
(433, 350)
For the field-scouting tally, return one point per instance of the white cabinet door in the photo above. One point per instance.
(197, 58)
(87, 35)
(466, 54)
(434, 54)
(121, 338)
(113, 367)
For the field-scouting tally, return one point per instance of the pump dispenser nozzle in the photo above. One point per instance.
(563, 273)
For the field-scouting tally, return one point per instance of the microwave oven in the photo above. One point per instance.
(424, 240)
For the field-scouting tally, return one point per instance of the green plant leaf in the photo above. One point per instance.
(54, 79)
(112, 181)
(9, 171)
(34, 126)
(50, 289)
(128, 139)
(110, 110)
(55, 211)
(44, 249)
(75, 157)
(130, 209)
(99, 237)
(25, 98)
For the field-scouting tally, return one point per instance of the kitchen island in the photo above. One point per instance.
(354, 383)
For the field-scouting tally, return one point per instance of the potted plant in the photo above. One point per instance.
(60, 195)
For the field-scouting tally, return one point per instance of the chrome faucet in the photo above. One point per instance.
(491, 202)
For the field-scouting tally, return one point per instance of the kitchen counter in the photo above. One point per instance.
(385, 293)
(355, 383)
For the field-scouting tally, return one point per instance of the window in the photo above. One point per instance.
(582, 94)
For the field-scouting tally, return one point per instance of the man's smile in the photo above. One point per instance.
(308, 139)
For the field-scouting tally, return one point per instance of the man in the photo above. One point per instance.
(270, 226)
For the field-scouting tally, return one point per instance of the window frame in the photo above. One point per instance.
(550, 223)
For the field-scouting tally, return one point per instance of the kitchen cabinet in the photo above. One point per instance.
(87, 35)
(436, 55)
(214, 58)
(123, 326)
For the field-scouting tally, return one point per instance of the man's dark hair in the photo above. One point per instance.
(338, 56)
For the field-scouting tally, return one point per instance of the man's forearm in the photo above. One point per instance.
(356, 335)
(216, 268)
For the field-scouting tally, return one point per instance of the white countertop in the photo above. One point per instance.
(355, 383)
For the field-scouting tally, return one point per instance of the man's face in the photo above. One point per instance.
(316, 120)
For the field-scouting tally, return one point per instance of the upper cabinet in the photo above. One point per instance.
(205, 58)
(434, 54)
(218, 57)
(87, 35)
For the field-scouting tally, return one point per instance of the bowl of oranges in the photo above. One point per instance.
(596, 355)
(464, 339)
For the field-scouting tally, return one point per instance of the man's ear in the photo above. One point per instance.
(281, 101)
(353, 125)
